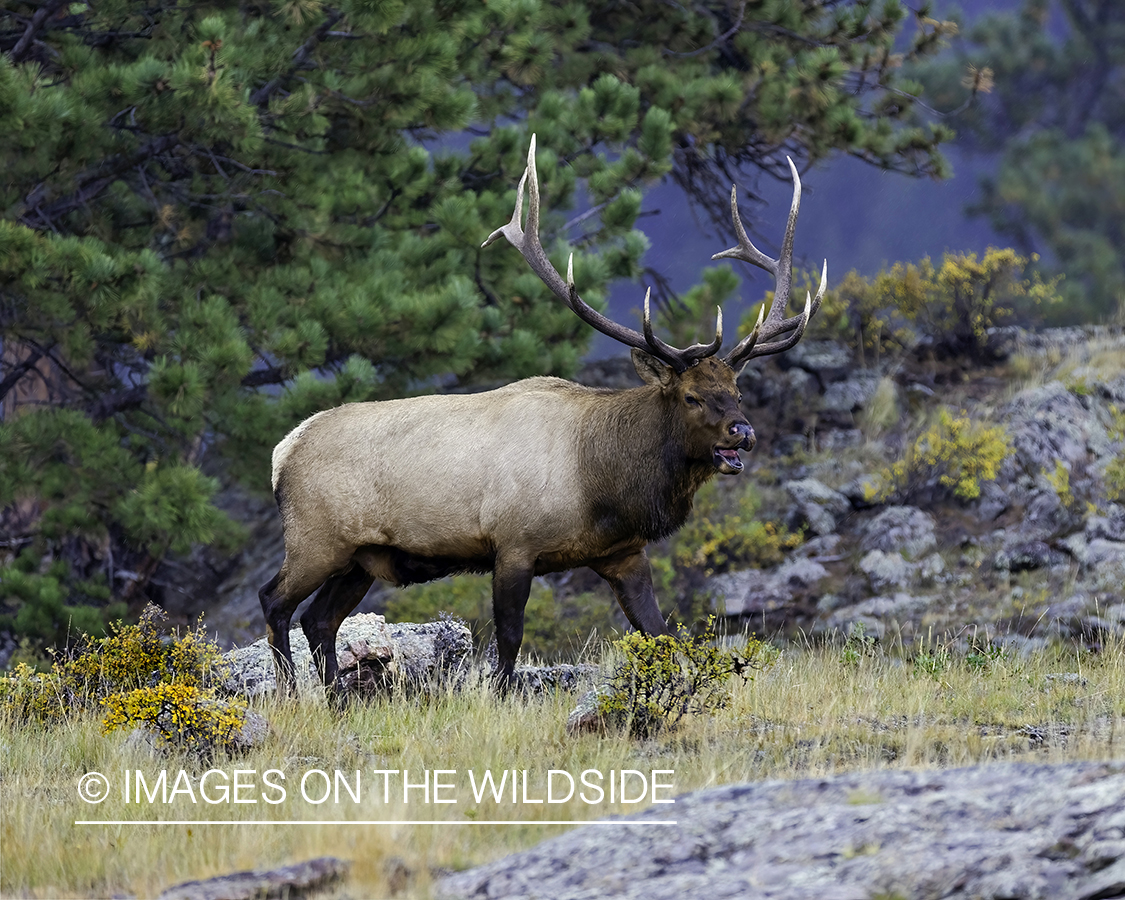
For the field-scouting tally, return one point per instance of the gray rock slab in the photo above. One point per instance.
(753, 591)
(906, 530)
(367, 648)
(851, 395)
(885, 570)
(298, 880)
(1017, 831)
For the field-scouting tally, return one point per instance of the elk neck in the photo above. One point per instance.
(638, 479)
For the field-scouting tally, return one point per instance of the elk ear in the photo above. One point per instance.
(651, 370)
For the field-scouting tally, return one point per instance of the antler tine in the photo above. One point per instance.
(526, 240)
(774, 323)
(745, 251)
(689, 354)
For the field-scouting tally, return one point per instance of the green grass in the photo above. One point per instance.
(814, 711)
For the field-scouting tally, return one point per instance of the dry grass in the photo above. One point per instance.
(816, 711)
(1100, 359)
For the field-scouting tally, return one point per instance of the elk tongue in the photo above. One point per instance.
(728, 456)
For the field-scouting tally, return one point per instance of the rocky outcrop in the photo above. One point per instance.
(374, 656)
(1018, 831)
(303, 879)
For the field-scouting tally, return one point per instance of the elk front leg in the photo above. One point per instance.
(511, 585)
(631, 579)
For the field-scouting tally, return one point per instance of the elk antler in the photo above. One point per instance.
(527, 242)
(775, 324)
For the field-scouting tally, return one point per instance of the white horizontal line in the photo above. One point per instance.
(355, 822)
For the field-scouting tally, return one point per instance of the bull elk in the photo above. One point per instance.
(542, 475)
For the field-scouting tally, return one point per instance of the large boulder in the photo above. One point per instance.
(752, 591)
(906, 530)
(816, 504)
(1018, 831)
(373, 655)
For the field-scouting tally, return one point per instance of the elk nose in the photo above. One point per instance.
(744, 430)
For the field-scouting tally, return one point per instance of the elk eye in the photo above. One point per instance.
(690, 400)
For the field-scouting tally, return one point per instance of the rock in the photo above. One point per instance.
(851, 395)
(549, 679)
(585, 718)
(615, 372)
(900, 529)
(829, 360)
(752, 591)
(298, 880)
(1029, 555)
(373, 656)
(1045, 517)
(992, 503)
(1048, 424)
(817, 504)
(885, 570)
(1105, 565)
(839, 439)
(863, 491)
(1019, 831)
(1111, 527)
(875, 612)
(930, 569)
(822, 547)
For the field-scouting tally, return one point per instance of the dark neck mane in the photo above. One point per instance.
(637, 475)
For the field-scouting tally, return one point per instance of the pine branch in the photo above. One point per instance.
(94, 181)
(23, 45)
(300, 56)
(18, 372)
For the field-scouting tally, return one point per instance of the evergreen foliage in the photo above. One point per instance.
(217, 219)
(1047, 80)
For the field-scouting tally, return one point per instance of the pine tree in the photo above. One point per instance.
(1047, 87)
(218, 219)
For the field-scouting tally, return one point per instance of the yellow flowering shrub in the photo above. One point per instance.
(661, 679)
(955, 302)
(961, 452)
(129, 658)
(180, 715)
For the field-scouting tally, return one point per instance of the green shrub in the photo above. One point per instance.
(664, 678)
(960, 452)
(131, 658)
(858, 645)
(1115, 471)
(715, 540)
(983, 657)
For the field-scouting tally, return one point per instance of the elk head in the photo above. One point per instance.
(694, 379)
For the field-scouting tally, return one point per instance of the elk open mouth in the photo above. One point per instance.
(727, 459)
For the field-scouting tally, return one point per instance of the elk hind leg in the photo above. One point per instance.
(280, 597)
(340, 594)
